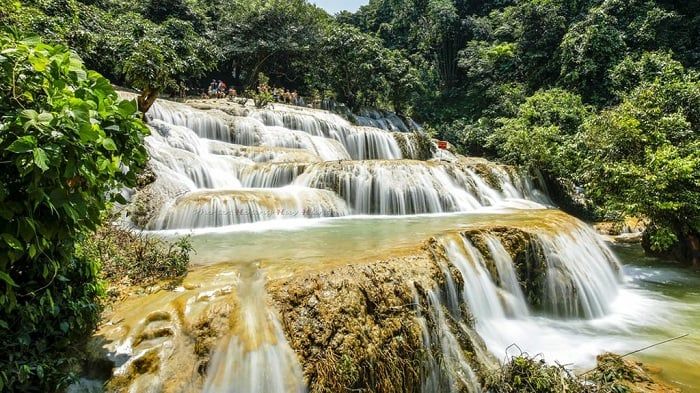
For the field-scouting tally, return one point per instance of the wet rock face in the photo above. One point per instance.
(528, 258)
(354, 327)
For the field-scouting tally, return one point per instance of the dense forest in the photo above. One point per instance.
(602, 97)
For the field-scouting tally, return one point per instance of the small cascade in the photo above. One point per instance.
(260, 154)
(207, 209)
(326, 149)
(190, 160)
(450, 371)
(581, 281)
(402, 187)
(505, 268)
(361, 143)
(385, 187)
(583, 275)
(390, 122)
(517, 186)
(480, 292)
(202, 123)
(271, 175)
(255, 357)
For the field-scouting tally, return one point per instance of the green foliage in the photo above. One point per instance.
(644, 156)
(66, 141)
(151, 47)
(262, 97)
(543, 133)
(277, 37)
(134, 258)
(524, 374)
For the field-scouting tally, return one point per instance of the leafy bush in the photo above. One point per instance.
(66, 143)
(643, 158)
(542, 135)
(263, 96)
(134, 258)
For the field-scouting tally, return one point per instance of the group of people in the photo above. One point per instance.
(287, 97)
(218, 89)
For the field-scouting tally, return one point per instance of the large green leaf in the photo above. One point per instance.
(23, 144)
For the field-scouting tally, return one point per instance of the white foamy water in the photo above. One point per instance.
(236, 165)
(255, 357)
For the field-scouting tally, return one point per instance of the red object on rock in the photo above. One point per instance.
(442, 145)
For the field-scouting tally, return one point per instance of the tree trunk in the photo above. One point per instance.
(146, 99)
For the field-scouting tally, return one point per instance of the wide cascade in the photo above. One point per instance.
(224, 164)
(483, 295)
(230, 164)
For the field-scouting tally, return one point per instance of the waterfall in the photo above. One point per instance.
(451, 372)
(361, 143)
(255, 357)
(203, 124)
(207, 209)
(513, 293)
(583, 275)
(180, 150)
(234, 162)
(402, 187)
(271, 175)
(582, 280)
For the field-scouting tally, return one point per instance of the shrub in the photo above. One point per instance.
(66, 143)
(135, 258)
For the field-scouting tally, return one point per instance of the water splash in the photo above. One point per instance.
(255, 357)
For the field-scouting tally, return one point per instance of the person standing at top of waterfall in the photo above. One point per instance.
(232, 93)
(221, 89)
(213, 87)
(295, 98)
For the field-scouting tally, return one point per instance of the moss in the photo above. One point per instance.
(614, 373)
(403, 146)
(424, 145)
(147, 363)
(353, 328)
(484, 171)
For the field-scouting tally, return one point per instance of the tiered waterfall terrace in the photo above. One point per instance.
(330, 258)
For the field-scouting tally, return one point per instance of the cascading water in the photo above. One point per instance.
(403, 187)
(255, 357)
(239, 164)
(452, 373)
(360, 143)
(248, 165)
(206, 209)
(582, 280)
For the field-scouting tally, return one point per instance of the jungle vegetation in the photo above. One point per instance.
(603, 95)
